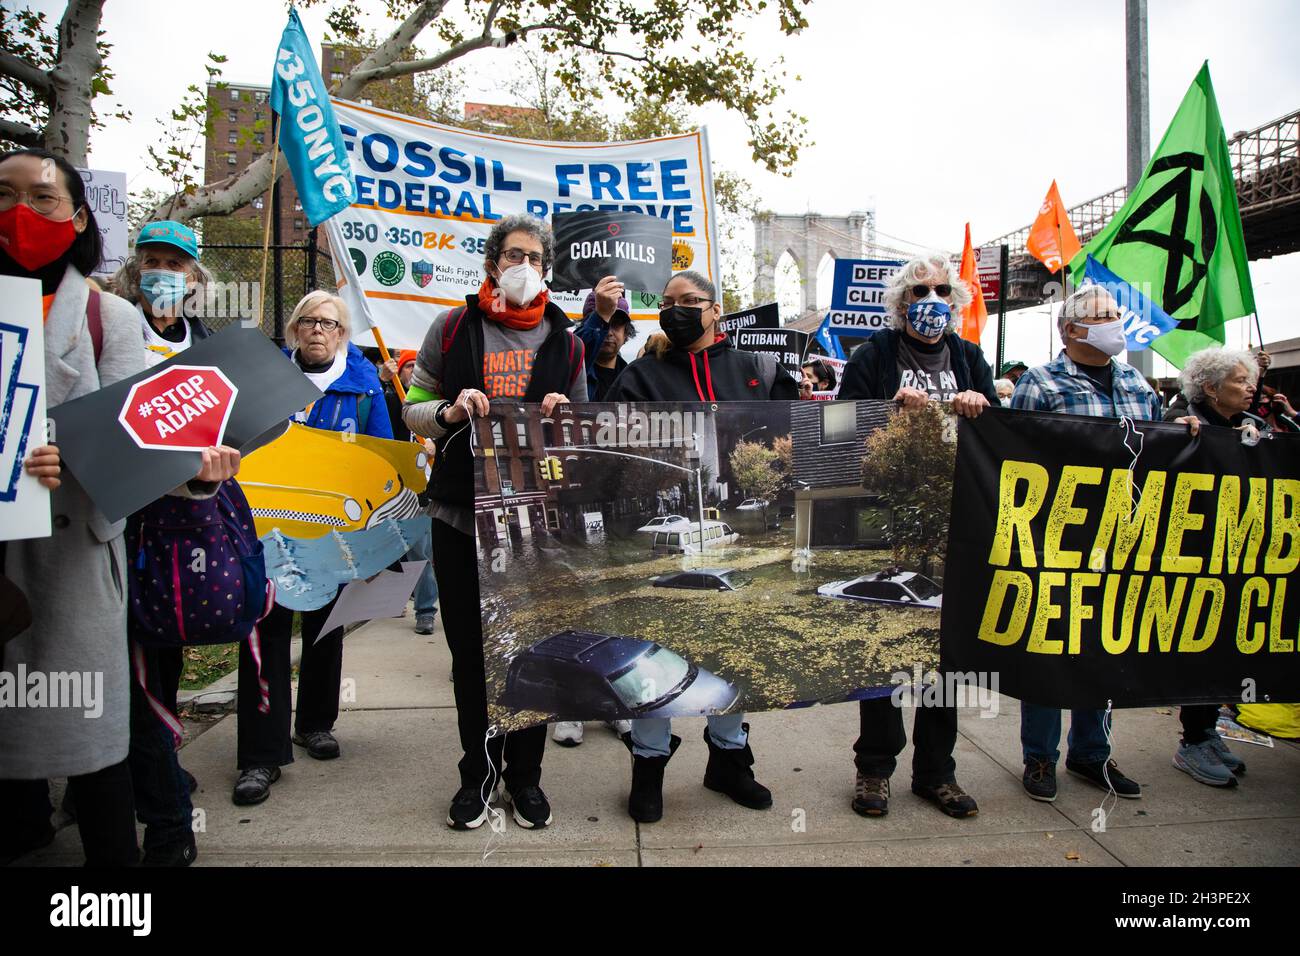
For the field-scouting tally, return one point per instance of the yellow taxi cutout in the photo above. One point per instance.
(309, 481)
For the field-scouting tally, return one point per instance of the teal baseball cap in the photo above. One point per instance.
(170, 233)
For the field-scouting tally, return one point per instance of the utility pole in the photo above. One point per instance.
(1139, 118)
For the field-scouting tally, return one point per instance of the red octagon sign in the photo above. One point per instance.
(182, 408)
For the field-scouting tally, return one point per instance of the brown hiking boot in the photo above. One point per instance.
(948, 797)
(870, 796)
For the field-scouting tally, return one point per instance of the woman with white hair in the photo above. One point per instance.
(1219, 385)
(920, 359)
(317, 339)
(165, 281)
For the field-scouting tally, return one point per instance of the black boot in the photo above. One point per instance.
(729, 772)
(645, 803)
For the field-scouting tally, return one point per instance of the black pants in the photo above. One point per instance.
(455, 565)
(881, 738)
(1198, 720)
(162, 792)
(105, 815)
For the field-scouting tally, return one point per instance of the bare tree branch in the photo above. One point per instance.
(79, 61)
(25, 73)
(390, 51)
(406, 67)
(20, 134)
(491, 17)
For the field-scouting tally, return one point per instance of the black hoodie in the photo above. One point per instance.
(719, 373)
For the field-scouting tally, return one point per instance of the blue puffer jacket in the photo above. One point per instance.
(337, 411)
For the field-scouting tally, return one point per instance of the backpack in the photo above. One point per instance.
(198, 575)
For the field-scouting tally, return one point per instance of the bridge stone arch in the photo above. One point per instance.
(808, 238)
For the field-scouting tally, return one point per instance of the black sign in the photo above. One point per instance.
(122, 477)
(1079, 581)
(760, 317)
(591, 245)
(788, 345)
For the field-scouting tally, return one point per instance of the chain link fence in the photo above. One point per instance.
(291, 272)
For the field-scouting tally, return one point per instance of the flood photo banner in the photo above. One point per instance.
(663, 560)
(1126, 562)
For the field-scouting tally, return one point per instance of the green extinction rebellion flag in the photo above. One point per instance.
(1179, 234)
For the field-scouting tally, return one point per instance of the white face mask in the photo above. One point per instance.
(521, 284)
(1107, 338)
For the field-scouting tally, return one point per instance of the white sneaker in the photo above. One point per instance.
(568, 733)
(620, 727)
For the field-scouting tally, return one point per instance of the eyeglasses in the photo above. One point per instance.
(516, 256)
(45, 200)
(325, 325)
(689, 301)
(921, 291)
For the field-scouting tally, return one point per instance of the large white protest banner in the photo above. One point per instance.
(427, 196)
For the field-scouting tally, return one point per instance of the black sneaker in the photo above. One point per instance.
(320, 744)
(469, 810)
(531, 809)
(1040, 779)
(948, 797)
(182, 852)
(1106, 776)
(254, 785)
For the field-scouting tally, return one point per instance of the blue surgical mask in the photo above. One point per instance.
(929, 316)
(162, 288)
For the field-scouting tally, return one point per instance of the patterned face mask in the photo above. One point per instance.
(929, 316)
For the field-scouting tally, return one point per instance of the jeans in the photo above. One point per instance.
(651, 736)
(1040, 734)
(882, 737)
(162, 792)
(426, 592)
(456, 566)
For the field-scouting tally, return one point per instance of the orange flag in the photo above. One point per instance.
(1051, 237)
(975, 315)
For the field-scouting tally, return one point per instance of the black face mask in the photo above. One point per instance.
(682, 324)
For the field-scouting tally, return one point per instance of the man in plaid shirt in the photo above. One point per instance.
(1085, 379)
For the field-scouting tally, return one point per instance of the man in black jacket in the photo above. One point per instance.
(701, 365)
(921, 359)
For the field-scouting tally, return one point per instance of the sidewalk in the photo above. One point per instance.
(385, 800)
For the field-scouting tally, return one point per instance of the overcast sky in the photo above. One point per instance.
(933, 115)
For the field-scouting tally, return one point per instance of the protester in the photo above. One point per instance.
(699, 366)
(166, 282)
(426, 591)
(511, 317)
(1004, 387)
(73, 580)
(606, 328)
(1085, 379)
(1219, 385)
(318, 338)
(1012, 370)
(817, 377)
(1270, 404)
(918, 360)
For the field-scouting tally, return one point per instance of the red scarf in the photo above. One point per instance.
(499, 309)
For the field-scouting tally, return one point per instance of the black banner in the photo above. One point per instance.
(788, 345)
(760, 317)
(1094, 560)
(591, 245)
(121, 477)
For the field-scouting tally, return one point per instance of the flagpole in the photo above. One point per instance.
(270, 211)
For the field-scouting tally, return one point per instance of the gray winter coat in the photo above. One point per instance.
(75, 580)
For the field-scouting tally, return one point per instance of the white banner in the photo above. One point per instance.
(427, 196)
(106, 195)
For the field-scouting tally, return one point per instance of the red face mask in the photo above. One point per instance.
(30, 239)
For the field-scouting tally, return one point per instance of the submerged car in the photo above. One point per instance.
(703, 579)
(887, 587)
(752, 504)
(689, 538)
(585, 675)
(662, 522)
